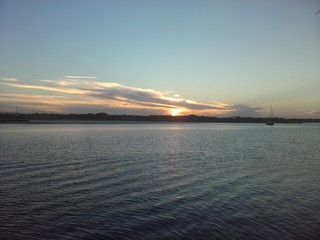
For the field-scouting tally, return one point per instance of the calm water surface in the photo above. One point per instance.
(160, 181)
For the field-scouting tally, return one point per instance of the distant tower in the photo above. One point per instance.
(270, 121)
(16, 110)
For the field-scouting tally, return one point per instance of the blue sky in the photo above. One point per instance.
(163, 57)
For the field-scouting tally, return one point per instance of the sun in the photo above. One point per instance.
(175, 111)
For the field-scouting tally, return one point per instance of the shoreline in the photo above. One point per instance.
(103, 118)
(134, 122)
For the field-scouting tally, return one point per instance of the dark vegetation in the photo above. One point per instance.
(94, 117)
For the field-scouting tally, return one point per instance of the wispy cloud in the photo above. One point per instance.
(79, 77)
(6, 79)
(77, 92)
(314, 113)
(46, 88)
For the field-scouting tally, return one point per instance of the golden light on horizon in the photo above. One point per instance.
(176, 111)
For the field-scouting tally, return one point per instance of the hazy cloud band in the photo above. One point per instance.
(77, 90)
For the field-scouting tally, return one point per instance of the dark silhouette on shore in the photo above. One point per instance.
(106, 118)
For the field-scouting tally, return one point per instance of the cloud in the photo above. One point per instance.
(46, 88)
(314, 112)
(141, 96)
(76, 92)
(79, 77)
(8, 79)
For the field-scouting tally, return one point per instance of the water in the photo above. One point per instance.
(160, 181)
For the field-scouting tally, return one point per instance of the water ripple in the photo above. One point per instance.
(162, 182)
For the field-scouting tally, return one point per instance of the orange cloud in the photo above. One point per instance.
(77, 91)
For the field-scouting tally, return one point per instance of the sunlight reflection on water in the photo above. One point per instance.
(160, 181)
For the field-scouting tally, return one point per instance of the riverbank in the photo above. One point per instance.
(103, 118)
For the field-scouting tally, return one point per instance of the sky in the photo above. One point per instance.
(178, 57)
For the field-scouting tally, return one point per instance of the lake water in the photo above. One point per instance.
(160, 181)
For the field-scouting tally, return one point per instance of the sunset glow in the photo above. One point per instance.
(64, 94)
(159, 119)
(176, 112)
(216, 58)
